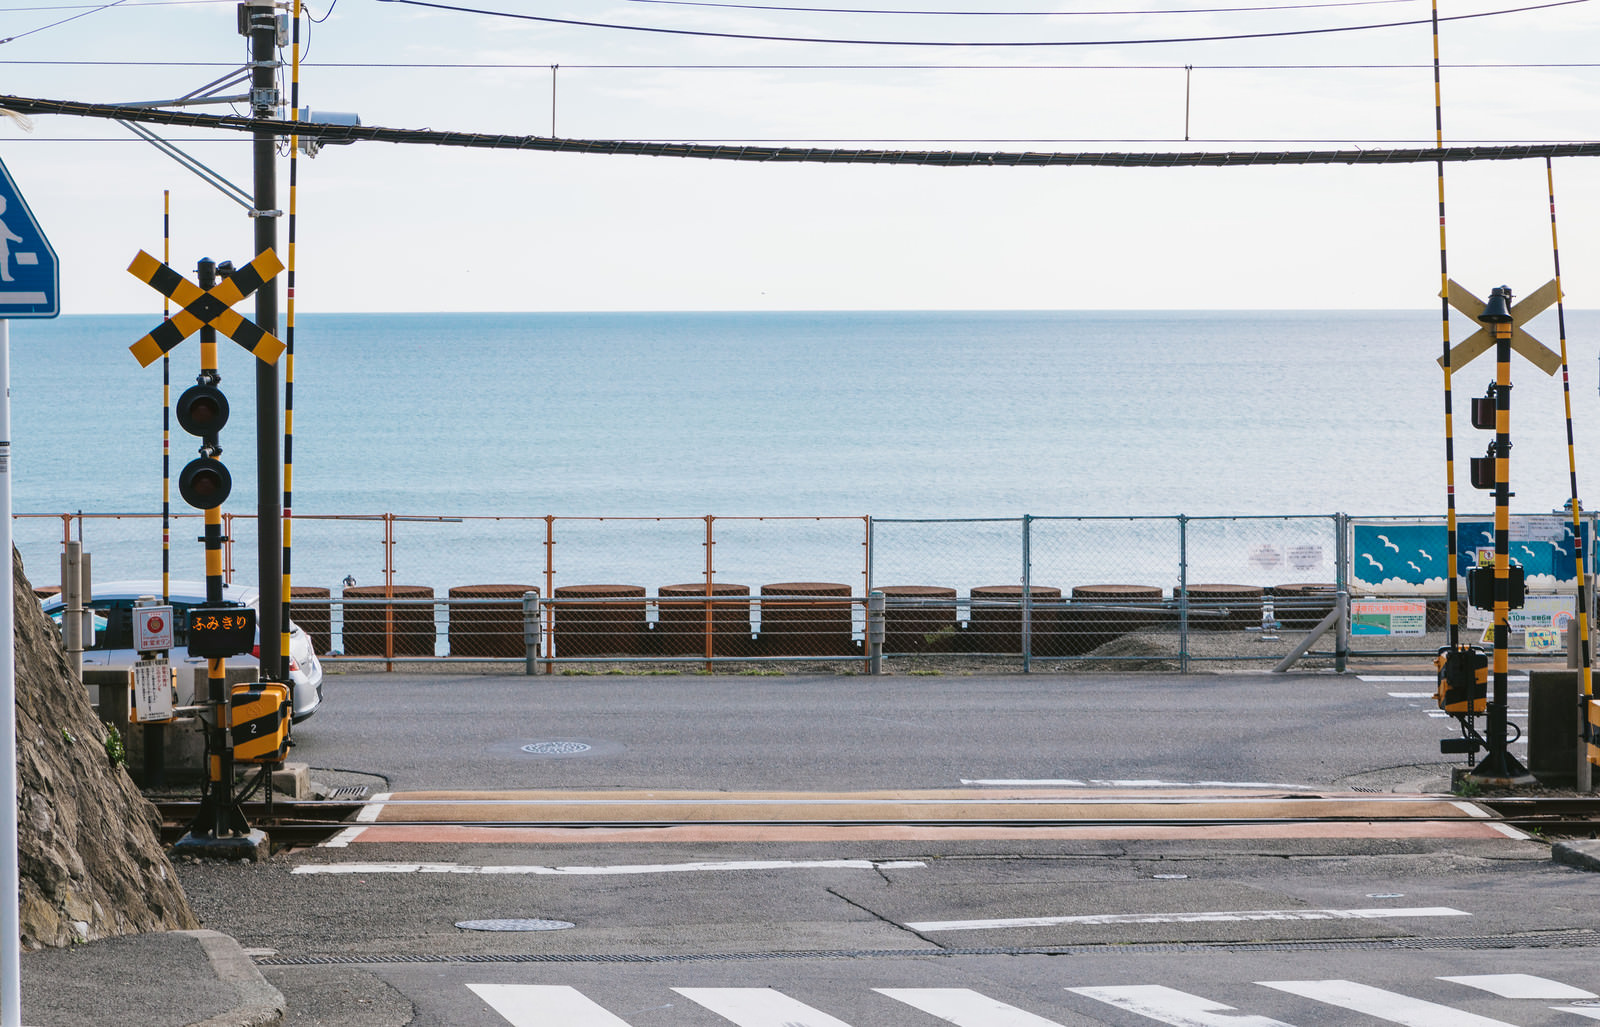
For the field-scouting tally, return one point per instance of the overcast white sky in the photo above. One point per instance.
(390, 227)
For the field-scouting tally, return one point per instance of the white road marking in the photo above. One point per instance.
(1518, 676)
(1521, 986)
(367, 815)
(1170, 1006)
(1588, 1012)
(544, 1005)
(759, 1007)
(1241, 916)
(965, 1007)
(1384, 1005)
(597, 871)
(1067, 782)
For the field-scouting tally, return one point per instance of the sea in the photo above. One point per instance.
(901, 415)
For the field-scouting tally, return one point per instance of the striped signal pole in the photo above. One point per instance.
(220, 762)
(1452, 592)
(1498, 765)
(288, 364)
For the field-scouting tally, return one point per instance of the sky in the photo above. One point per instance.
(387, 227)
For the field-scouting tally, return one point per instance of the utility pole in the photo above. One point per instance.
(258, 20)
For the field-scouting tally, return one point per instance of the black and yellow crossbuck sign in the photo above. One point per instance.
(1479, 342)
(203, 307)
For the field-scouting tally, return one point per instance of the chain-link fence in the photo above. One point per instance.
(1147, 593)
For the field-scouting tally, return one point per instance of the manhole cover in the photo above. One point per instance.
(514, 925)
(555, 748)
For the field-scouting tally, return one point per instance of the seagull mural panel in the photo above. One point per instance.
(1408, 557)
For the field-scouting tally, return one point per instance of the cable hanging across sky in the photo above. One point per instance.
(792, 155)
(434, 4)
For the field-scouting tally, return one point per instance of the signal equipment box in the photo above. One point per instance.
(1463, 680)
(260, 714)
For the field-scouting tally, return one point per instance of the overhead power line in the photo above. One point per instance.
(1014, 14)
(967, 43)
(330, 133)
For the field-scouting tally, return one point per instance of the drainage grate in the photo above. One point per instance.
(513, 925)
(1576, 938)
(555, 748)
(349, 792)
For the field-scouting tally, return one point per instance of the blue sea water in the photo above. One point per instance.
(894, 414)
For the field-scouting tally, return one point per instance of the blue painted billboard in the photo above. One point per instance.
(1408, 557)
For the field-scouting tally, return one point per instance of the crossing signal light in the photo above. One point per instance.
(204, 483)
(1483, 410)
(202, 410)
(1483, 470)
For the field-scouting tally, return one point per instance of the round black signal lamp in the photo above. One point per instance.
(202, 410)
(204, 483)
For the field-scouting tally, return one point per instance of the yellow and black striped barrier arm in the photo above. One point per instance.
(200, 307)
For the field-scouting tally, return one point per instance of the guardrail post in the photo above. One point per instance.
(530, 631)
(875, 631)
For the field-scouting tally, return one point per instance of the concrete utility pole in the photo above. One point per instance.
(258, 20)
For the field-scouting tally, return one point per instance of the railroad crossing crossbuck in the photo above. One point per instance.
(202, 307)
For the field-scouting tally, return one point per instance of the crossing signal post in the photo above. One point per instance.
(1498, 766)
(217, 630)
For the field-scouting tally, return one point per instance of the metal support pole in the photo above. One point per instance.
(260, 22)
(10, 872)
(72, 605)
(875, 631)
(1183, 594)
(1027, 593)
(530, 631)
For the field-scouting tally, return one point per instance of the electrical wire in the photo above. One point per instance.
(793, 155)
(63, 21)
(482, 66)
(1014, 14)
(758, 37)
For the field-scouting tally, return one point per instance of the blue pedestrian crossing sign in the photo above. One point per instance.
(29, 279)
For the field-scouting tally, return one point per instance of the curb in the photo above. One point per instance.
(1583, 855)
(260, 1004)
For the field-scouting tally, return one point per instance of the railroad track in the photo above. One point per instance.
(298, 823)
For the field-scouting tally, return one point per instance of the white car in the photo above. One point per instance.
(112, 646)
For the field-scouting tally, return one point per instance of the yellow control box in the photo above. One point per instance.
(1463, 680)
(260, 714)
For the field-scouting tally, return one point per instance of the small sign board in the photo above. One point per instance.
(152, 628)
(1388, 617)
(150, 698)
(217, 632)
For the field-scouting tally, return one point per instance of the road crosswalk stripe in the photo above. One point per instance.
(1174, 1007)
(1384, 1005)
(533, 1005)
(1236, 916)
(544, 1005)
(758, 1007)
(965, 1007)
(1521, 986)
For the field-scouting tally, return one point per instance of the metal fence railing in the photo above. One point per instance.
(1147, 593)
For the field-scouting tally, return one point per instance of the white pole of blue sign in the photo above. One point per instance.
(10, 877)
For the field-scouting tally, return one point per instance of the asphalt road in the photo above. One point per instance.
(737, 732)
(890, 932)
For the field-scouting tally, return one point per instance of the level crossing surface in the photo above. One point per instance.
(773, 852)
